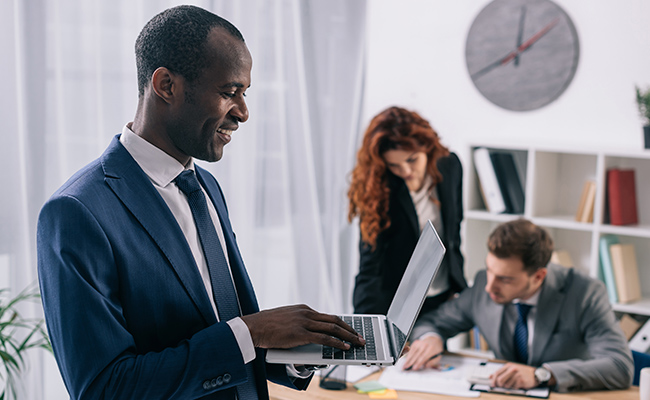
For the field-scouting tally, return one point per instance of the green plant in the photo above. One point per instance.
(17, 335)
(643, 101)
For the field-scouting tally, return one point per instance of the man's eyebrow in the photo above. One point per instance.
(234, 84)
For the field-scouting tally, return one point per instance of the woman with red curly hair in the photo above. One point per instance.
(403, 177)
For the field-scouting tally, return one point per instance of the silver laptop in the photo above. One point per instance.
(385, 334)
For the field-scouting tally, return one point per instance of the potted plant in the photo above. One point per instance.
(17, 335)
(643, 101)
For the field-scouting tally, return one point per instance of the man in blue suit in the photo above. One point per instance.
(130, 301)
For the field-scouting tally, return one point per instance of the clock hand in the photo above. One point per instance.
(521, 32)
(538, 35)
(523, 47)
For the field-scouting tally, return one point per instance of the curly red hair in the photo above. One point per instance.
(393, 129)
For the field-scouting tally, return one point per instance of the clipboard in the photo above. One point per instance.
(538, 393)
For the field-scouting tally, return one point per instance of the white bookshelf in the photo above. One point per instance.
(553, 180)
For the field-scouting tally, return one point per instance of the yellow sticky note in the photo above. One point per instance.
(387, 394)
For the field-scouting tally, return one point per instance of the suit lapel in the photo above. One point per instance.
(551, 299)
(406, 202)
(132, 186)
(444, 192)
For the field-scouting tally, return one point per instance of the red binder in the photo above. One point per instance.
(621, 192)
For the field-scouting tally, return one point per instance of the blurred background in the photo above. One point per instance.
(321, 70)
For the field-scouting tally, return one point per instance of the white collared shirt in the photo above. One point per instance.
(162, 169)
(427, 209)
(530, 319)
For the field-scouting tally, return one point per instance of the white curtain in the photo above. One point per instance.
(70, 85)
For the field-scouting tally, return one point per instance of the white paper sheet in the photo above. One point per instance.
(451, 382)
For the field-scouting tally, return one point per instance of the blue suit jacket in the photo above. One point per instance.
(125, 306)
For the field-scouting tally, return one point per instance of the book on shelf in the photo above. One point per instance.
(562, 257)
(509, 182)
(488, 181)
(585, 211)
(629, 326)
(641, 340)
(606, 266)
(626, 272)
(621, 197)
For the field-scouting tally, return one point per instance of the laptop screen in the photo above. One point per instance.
(420, 272)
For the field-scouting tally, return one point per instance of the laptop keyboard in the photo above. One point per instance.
(363, 326)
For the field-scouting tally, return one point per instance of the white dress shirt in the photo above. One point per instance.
(427, 207)
(162, 169)
(511, 316)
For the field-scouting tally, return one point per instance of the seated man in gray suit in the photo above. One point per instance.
(553, 324)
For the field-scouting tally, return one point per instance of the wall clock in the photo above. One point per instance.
(522, 54)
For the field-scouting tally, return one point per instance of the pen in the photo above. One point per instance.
(430, 358)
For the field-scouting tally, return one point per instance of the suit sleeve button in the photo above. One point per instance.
(226, 378)
(206, 385)
(219, 381)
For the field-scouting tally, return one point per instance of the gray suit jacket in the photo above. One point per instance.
(576, 334)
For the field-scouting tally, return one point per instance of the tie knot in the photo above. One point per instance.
(523, 309)
(187, 182)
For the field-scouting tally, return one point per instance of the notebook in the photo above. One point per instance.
(385, 334)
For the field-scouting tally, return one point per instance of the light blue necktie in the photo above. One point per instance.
(223, 289)
(521, 333)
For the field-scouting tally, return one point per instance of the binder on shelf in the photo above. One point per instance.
(585, 211)
(488, 181)
(509, 183)
(641, 340)
(621, 197)
(626, 272)
(606, 266)
(562, 257)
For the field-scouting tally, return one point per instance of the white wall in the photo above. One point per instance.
(416, 59)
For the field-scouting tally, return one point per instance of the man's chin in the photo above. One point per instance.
(498, 299)
(213, 156)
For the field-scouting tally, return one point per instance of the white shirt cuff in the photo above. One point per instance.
(298, 372)
(244, 339)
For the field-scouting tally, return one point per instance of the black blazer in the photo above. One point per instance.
(381, 270)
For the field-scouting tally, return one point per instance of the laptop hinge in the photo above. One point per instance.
(390, 339)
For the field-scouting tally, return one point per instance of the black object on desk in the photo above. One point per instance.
(334, 378)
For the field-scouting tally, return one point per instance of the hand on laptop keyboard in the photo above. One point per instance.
(363, 325)
(296, 325)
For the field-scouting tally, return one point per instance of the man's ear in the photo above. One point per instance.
(540, 274)
(166, 85)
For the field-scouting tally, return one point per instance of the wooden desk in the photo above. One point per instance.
(315, 392)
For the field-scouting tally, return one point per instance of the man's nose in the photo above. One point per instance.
(489, 285)
(240, 111)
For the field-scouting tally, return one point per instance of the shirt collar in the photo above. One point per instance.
(532, 300)
(159, 166)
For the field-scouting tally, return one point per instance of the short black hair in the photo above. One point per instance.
(176, 39)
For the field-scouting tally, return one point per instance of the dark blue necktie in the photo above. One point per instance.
(223, 288)
(521, 333)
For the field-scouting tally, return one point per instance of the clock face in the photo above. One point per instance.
(522, 54)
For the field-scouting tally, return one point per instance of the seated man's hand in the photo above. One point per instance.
(419, 356)
(291, 326)
(514, 376)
